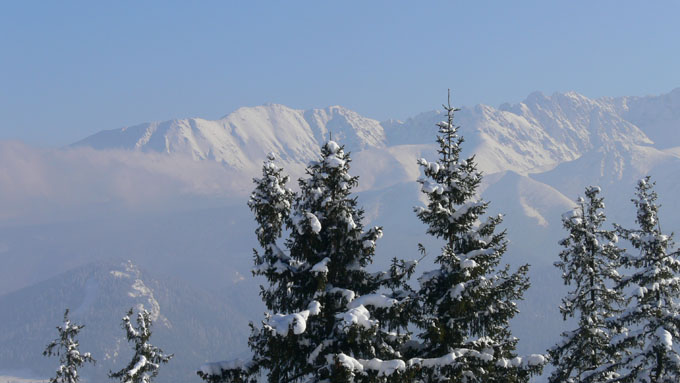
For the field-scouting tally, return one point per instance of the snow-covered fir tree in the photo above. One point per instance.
(651, 323)
(145, 363)
(589, 264)
(468, 300)
(271, 202)
(66, 347)
(330, 319)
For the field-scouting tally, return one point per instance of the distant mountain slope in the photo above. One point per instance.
(193, 325)
(658, 116)
(532, 136)
(610, 165)
(243, 138)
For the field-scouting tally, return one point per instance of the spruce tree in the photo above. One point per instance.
(66, 347)
(145, 363)
(468, 300)
(271, 202)
(651, 324)
(588, 263)
(329, 318)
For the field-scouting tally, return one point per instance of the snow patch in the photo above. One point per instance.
(119, 274)
(358, 315)
(332, 147)
(321, 267)
(375, 300)
(314, 222)
(665, 338)
(282, 323)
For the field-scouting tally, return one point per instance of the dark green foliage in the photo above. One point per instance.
(468, 301)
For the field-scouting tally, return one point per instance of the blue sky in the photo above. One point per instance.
(70, 69)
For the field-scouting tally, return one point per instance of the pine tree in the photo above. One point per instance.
(66, 347)
(145, 364)
(588, 263)
(271, 202)
(467, 301)
(652, 321)
(330, 319)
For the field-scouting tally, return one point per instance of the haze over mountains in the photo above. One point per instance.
(171, 197)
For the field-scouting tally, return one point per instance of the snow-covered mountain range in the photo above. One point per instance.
(242, 138)
(537, 157)
(532, 136)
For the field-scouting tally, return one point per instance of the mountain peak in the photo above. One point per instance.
(242, 138)
(535, 96)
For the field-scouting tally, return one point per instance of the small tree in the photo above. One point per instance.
(467, 302)
(588, 263)
(651, 325)
(144, 366)
(66, 347)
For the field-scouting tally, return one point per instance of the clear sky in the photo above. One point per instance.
(69, 69)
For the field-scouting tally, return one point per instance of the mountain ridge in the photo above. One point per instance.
(531, 136)
(242, 138)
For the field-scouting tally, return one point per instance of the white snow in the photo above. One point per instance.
(119, 274)
(332, 146)
(383, 367)
(314, 308)
(535, 360)
(348, 295)
(282, 323)
(358, 315)
(347, 361)
(455, 292)
(467, 263)
(665, 338)
(433, 167)
(334, 162)
(314, 222)
(243, 138)
(139, 365)
(375, 300)
(321, 267)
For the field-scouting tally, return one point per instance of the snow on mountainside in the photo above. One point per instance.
(532, 136)
(243, 138)
(658, 115)
(609, 165)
